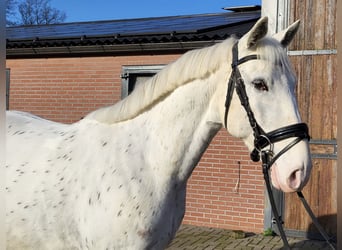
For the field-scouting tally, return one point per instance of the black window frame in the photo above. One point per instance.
(131, 73)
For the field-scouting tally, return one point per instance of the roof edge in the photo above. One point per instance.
(107, 50)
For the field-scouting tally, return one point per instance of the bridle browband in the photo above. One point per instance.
(262, 140)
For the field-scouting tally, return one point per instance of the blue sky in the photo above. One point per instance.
(90, 10)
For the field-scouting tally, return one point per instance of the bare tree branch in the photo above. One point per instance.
(38, 12)
(10, 12)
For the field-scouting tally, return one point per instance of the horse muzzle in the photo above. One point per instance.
(292, 182)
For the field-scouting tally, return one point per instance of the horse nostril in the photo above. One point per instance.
(295, 180)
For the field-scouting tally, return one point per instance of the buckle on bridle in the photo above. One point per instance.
(300, 131)
(255, 154)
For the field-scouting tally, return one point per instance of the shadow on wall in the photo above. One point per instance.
(329, 223)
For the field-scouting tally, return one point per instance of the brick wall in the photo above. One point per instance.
(225, 190)
(65, 90)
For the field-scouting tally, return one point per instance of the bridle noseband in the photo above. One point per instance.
(262, 139)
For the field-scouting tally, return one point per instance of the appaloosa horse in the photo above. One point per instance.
(117, 178)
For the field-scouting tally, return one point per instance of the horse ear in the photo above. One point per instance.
(258, 31)
(286, 36)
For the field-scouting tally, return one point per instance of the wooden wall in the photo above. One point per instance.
(313, 54)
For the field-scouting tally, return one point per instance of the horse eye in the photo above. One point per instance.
(260, 84)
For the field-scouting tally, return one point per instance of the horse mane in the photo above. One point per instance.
(195, 64)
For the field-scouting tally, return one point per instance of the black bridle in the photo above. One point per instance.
(264, 140)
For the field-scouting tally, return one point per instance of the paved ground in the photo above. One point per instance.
(199, 238)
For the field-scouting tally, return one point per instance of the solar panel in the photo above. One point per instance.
(191, 24)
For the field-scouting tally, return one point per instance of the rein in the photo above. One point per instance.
(262, 140)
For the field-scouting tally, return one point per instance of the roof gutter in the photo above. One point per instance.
(108, 50)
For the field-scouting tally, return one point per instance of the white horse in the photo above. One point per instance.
(117, 179)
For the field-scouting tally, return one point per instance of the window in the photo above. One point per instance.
(132, 76)
(7, 87)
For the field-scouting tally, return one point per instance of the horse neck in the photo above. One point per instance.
(182, 129)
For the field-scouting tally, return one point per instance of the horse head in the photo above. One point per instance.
(268, 81)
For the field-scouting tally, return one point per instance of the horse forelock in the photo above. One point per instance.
(195, 64)
(270, 51)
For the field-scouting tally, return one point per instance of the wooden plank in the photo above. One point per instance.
(317, 101)
(321, 190)
(316, 107)
(318, 24)
(303, 84)
(327, 99)
(331, 27)
(316, 93)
